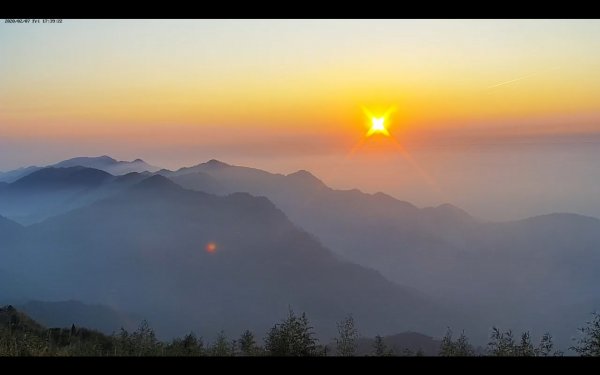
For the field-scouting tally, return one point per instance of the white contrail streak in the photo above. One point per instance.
(521, 78)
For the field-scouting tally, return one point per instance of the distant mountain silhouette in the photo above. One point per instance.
(143, 250)
(215, 164)
(526, 274)
(51, 191)
(14, 175)
(10, 234)
(9, 231)
(158, 182)
(506, 271)
(60, 178)
(19, 321)
(229, 179)
(104, 163)
(67, 313)
(84, 161)
(306, 179)
(108, 164)
(197, 179)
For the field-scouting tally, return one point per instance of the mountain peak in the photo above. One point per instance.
(157, 182)
(63, 176)
(305, 177)
(107, 164)
(86, 161)
(214, 163)
(447, 207)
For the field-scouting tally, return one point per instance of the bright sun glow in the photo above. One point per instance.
(377, 126)
(378, 123)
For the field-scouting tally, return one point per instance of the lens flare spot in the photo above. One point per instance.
(211, 247)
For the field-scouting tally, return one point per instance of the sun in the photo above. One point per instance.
(377, 126)
(378, 123)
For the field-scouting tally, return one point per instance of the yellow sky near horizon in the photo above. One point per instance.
(275, 77)
(500, 117)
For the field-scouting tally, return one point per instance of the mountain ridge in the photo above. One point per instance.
(71, 312)
(138, 249)
(104, 162)
(441, 250)
(542, 262)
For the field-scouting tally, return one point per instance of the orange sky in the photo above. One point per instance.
(288, 94)
(90, 78)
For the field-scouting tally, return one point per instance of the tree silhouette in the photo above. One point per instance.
(346, 342)
(460, 348)
(190, 345)
(22, 336)
(546, 346)
(248, 345)
(501, 344)
(144, 340)
(221, 347)
(525, 348)
(293, 337)
(589, 344)
(447, 346)
(380, 349)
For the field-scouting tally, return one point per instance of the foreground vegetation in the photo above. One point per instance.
(293, 336)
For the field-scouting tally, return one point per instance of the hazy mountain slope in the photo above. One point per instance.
(17, 320)
(10, 235)
(12, 285)
(67, 313)
(372, 229)
(530, 273)
(104, 163)
(108, 164)
(60, 178)
(194, 180)
(51, 191)
(519, 274)
(527, 274)
(243, 179)
(8, 229)
(143, 250)
(14, 175)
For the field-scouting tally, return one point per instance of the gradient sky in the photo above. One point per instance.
(287, 94)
